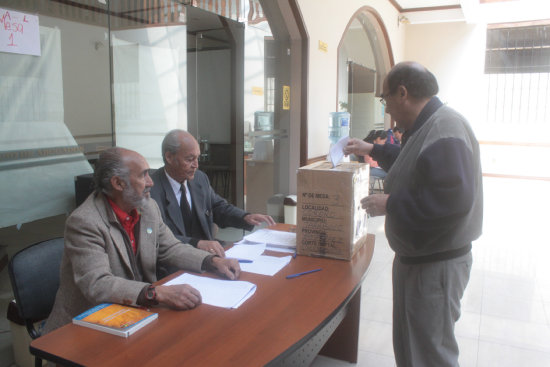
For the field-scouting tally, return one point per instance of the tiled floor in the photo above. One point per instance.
(506, 308)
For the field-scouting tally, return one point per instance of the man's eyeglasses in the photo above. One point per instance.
(383, 99)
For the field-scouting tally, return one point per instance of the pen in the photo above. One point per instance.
(302, 273)
(242, 260)
(294, 255)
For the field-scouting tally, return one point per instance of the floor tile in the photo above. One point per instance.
(376, 309)
(504, 284)
(379, 287)
(468, 325)
(364, 359)
(512, 308)
(375, 337)
(367, 359)
(473, 294)
(546, 305)
(501, 355)
(519, 334)
(468, 351)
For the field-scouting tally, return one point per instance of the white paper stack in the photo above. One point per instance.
(272, 238)
(218, 292)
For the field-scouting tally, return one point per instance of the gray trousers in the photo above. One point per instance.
(426, 306)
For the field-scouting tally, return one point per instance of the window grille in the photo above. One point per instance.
(517, 68)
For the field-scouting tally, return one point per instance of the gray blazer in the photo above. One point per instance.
(209, 206)
(96, 266)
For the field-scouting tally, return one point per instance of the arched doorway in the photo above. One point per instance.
(364, 59)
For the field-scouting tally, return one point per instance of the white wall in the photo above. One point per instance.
(326, 21)
(457, 61)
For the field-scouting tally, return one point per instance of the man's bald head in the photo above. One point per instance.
(419, 81)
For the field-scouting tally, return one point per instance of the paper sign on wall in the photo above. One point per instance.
(286, 97)
(19, 33)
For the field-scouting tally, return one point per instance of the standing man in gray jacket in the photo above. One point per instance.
(115, 241)
(188, 203)
(433, 202)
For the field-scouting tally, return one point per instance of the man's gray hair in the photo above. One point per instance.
(110, 164)
(171, 143)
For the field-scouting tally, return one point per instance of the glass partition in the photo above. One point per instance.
(124, 73)
(149, 59)
(54, 105)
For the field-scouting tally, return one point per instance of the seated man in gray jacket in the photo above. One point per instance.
(115, 241)
(188, 204)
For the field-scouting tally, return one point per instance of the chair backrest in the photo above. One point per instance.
(34, 275)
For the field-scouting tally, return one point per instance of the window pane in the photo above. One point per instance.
(53, 107)
(149, 74)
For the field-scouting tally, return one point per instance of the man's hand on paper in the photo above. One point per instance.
(375, 204)
(213, 247)
(179, 296)
(357, 147)
(257, 219)
(228, 268)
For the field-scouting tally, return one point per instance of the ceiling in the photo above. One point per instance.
(472, 11)
(419, 4)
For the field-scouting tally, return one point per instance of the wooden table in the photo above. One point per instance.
(287, 321)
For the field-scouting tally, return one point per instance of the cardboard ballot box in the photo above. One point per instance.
(330, 221)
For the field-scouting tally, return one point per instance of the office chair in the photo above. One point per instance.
(34, 275)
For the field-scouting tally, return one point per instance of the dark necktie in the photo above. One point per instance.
(185, 209)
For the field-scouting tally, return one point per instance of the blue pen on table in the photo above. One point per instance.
(302, 273)
(242, 260)
(294, 255)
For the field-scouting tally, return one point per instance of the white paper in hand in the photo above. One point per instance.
(336, 152)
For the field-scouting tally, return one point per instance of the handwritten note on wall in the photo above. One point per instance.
(19, 33)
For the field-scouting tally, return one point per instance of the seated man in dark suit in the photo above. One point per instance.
(188, 203)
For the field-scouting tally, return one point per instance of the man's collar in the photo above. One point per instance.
(429, 109)
(176, 186)
(121, 214)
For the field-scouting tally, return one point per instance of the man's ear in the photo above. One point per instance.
(117, 183)
(402, 91)
(169, 157)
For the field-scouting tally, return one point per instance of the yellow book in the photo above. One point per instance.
(115, 319)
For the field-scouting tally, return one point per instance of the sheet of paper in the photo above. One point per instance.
(247, 252)
(218, 292)
(19, 33)
(266, 265)
(336, 152)
(281, 249)
(287, 250)
(273, 238)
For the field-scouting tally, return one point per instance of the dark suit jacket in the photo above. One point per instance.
(209, 206)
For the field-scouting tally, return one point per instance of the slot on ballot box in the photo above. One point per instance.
(331, 222)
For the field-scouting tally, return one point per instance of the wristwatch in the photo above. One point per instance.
(151, 295)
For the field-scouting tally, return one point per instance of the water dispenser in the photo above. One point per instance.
(338, 126)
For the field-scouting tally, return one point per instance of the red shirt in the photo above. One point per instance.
(128, 222)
